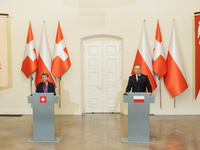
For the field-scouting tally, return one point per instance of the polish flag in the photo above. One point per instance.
(144, 58)
(138, 99)
(44, 60)
(159, 62)
(61, 61)
(174, 78)
(29, 64)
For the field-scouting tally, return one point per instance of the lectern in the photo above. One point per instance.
(43, 117)
(138, 117)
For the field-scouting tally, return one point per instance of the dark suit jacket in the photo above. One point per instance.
(51, 88)
(144, 83)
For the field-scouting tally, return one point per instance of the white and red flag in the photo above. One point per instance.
(138, 99)
(144, 58)
(44, 60)
(174, 78)
(29, 64)
(61, 61)
(159, 62)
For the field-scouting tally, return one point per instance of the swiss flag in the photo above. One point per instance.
(138, 99)
(44, 60)
(43, 99)
(144, 58)
(159, 62)
(174, 78)
(29, 64)
(61, 61)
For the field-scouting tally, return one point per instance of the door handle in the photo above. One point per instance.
(98, 87)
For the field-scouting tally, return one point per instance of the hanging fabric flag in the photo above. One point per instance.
(29, 64)
(197, 54)
(159, 62)
(61, 61)
(44, 60)
(174, 78)
(144, 58)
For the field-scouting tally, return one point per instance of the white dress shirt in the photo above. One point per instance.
(137, 77)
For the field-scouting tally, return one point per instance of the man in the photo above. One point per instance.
(138, 82)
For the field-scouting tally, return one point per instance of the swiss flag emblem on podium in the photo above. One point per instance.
(43, 99)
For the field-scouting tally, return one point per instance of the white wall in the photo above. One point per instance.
(76, 23)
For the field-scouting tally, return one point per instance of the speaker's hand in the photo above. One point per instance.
(151, 94)
(125, 93)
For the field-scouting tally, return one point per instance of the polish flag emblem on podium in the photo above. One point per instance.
(138, 99)
(43, 99)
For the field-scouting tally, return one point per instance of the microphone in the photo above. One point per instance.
(43, 84)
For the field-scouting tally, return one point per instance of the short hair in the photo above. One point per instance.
(137, 65)
(44, 74)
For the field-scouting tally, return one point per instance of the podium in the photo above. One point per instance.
(138, 117)
(43, 117)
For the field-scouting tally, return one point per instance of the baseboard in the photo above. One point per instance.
(15, 111)
(30, 112)
(68, 112)
(170, 111)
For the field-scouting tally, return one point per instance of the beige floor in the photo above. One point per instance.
(102, 132)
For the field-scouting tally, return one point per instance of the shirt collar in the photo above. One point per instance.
(139, 75)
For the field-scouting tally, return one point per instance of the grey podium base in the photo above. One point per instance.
(57, 140)
(125, 140)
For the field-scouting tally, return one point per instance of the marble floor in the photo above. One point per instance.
(102, 132)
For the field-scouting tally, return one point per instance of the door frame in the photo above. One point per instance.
(95, 38)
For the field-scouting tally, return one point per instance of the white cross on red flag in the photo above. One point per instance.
(43, 99)
(61, 61)
(159, 62)
(29, 64)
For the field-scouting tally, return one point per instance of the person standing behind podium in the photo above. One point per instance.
(138, 82)
(45, 86)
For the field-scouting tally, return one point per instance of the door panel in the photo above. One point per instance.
(93, 78)
(111, 73)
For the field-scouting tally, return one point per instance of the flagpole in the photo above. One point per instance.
(31, 79)
(160, 92)
(59, 86)
(174, 102)
(31, 88)
(59, 94)
(174, 96)
(159, 85)
(31, 85)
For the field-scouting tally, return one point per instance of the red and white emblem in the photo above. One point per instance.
(43, 99)
(138, 99)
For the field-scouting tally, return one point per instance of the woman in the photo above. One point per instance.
(45, 86)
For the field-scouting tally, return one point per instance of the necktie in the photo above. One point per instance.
(138, 83)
